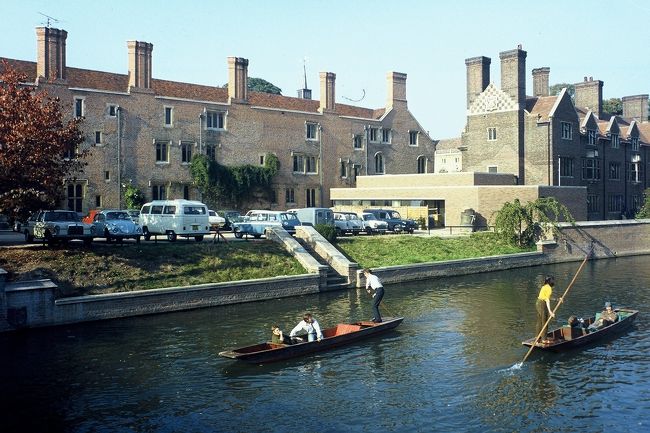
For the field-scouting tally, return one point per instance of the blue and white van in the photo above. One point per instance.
(255, 222)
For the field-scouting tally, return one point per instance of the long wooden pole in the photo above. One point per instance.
(555, 309)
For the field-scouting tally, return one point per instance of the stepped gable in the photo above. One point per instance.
(492, 100)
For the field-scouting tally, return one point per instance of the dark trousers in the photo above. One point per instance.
(542, 317)
(376, 300)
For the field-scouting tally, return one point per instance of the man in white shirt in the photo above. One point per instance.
(372, 282)
(309, 325)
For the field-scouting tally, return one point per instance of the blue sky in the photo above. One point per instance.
(358, 40)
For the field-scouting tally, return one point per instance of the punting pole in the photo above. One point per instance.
(555, 309)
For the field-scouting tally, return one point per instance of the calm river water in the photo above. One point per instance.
(447, 368)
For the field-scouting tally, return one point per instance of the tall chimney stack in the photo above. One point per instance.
(139, 64)
(636, 107)
(513, 74)
(50, 53)
(327, 91)
(238, 79)
(396, 89)
(540, 81)
(589, 94)
(478, 77)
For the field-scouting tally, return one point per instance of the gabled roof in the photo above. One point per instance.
(589, 121)
(644, 132)
(540, 106)
(112, 82)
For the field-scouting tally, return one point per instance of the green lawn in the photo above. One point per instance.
(114, 268)
(377, 251)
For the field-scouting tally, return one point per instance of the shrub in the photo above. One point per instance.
(644, 212)
(326, 231)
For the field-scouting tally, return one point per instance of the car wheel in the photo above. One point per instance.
(107, 235)
(238, 234)
(146, 234)
(339, 233)
(28, 238)
(198, 238)
(88, 241)
(257, 236)
(137, 239)
(171, 236)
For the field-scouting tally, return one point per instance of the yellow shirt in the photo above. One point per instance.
(545, 293)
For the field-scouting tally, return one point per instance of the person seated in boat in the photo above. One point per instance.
(309, 325)
(607, 317)
(278, 337)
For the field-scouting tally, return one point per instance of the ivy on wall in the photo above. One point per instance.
(233, 184)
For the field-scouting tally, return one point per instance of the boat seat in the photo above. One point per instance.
(569, 333)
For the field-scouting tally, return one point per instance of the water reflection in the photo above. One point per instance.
(445, 368)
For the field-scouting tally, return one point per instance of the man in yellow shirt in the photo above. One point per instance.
(543, 305)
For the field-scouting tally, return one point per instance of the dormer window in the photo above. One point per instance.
(591, 137)
(567, 130)
(616, 141)
(634, 141)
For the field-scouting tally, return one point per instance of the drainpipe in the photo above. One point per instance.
(366, 129)
(119, 156)
(604, 173)
(201, 116)
(548, 151)
(320, 162)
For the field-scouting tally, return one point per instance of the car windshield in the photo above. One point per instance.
(289, 217)
(395, 215)
(117, 216)
(353, 217)
(61, 216)
(369, 217)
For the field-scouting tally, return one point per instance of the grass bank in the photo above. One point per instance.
(376, 251)
(115, 268)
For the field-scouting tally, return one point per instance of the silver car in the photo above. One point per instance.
(116, 225)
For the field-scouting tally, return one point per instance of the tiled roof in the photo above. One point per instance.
(541, 106)
(449, 143)
(108, 81)
(644, 132)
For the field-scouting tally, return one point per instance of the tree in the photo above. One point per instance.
(522, 225)
(133, 197)
(556, 88)
(644, 212)
(613, 106)
(34, 142)
(261, 85)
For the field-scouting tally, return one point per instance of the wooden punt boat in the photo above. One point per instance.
(566, 337)
(338, 335)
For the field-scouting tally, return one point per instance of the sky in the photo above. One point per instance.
(359, 40)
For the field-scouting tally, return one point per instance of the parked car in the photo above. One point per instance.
(90, 217)
(348, 222)
(255, 222)
(116, 224)
(372, 225)
(174, 218)
(231, 216)
(394, 220)
(135, 215)
(216, 220)
(58, 226)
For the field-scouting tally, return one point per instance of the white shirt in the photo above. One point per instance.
(310, 328)
(373, 281)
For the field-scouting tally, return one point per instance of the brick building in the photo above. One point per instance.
(552, 140)
(145, 130)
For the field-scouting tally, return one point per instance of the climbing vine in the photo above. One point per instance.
(644, 212)
(233, 184)
(524, 224)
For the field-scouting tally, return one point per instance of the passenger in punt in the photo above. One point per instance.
(574, 322)
(278, 336)
(376, 289)
(543, 306)
(309, 325)
(607, 317)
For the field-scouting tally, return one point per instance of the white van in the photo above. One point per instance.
(174, 218)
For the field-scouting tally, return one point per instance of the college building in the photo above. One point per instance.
(144, 131)
(552, 140)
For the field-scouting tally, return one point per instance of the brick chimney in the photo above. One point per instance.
(139, 64)
(396, 89)
(540, 81)
(513, 74)
(636, 107)
(50, 53)
(478, 77)
(327, 91)
(589, 94)
(237, 79)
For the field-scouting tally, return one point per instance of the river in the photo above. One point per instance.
(447, 368)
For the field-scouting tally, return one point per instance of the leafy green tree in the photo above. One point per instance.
(613, 106)
(644, 212)
(556, 88)
(261, 85)
(523, 225)
(233, 184)
(133, 197)
(38, 148)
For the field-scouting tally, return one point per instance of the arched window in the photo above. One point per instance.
(379, 163)
(422, 164)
